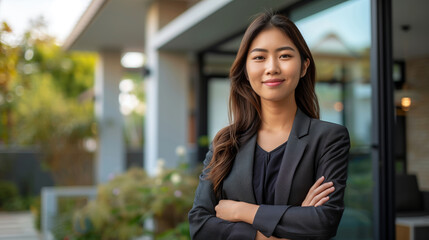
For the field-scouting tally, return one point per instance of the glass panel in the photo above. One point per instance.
(411, 95)
(339, 38)
(217, 105)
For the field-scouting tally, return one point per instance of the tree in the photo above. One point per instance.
(8, 62)
(43, 85)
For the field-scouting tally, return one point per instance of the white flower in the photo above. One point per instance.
(176, 178)
(180, 151)
(159, 166)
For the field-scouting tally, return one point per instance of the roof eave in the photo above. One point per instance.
(85, 20)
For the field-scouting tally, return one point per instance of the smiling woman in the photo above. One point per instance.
(277, 171)
(274, 66)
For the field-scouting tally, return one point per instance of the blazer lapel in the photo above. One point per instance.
(294, 150)
(239, 183)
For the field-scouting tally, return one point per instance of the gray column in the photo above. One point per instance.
(167, 109)
(166, 125)
(110, 157)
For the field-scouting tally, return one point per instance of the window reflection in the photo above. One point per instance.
(339, 38)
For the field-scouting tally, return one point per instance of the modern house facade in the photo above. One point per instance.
(371, 58)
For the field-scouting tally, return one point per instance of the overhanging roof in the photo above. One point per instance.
(211, 21)
(120, 24)
(109, 24)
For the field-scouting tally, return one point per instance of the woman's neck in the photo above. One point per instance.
(278, 116)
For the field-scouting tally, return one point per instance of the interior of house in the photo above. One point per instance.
(411, 94)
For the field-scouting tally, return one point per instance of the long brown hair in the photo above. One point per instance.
(245, 104)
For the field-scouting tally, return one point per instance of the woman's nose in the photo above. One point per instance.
(272, 67)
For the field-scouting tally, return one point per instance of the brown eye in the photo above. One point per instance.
(285, 56)
(258, 58)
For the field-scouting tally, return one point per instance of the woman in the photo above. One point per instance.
(276, 171)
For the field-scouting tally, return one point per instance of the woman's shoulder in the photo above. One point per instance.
(325, 128)
(325, 124)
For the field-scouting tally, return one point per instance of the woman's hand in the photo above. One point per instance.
(318, 193)
(235, 211)
(228, 210)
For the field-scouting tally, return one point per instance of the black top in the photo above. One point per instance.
(266, 166)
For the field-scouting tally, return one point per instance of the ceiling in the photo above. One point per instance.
(413, 42)
(119, 24)
(224, 21)
(110, 24)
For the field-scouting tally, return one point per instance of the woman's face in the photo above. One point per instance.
(273, 66)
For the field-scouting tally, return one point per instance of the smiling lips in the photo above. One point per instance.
(273, 82)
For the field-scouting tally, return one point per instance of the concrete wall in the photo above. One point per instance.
(417, 79)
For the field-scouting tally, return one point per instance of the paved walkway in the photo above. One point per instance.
(17, 226)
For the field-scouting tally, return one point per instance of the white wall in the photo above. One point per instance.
(218, 105)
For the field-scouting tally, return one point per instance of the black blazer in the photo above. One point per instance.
(315, 148)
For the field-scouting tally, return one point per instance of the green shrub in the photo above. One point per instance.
(36, 210)
(8, 194)
(124, 203)
(180, 232)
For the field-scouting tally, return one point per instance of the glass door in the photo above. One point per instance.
(410, 37)
(340, 39)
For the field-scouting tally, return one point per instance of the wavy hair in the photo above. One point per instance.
(245, 104)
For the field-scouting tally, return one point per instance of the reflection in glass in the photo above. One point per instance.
(339, 38)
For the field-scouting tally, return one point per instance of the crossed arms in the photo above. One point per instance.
(317, 217)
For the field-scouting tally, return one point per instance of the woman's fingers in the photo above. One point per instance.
(322, 188)
(317, 184)
(310, 193)
(317, 194)
(322, 201)
(322, 195)
(318, 187)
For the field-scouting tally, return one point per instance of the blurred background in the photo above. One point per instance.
(107, 108)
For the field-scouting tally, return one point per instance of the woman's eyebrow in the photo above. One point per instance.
(277, 50)
(285, 48)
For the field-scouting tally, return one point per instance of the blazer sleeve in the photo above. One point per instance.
(296, 222)
(203, 222)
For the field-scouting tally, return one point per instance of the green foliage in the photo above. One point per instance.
(9, 57)
(19, 203)
(8, 192)
(63, 222)
(58, 125)
(44, 104)
(180, 232)
(203, 141)
(10, 200)
(45, 115)
(36, 210)
(124, 203)
(73, 72)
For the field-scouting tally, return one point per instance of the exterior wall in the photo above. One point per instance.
(417, 78)
(166, 125)
(23, 166)
(170, 10)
